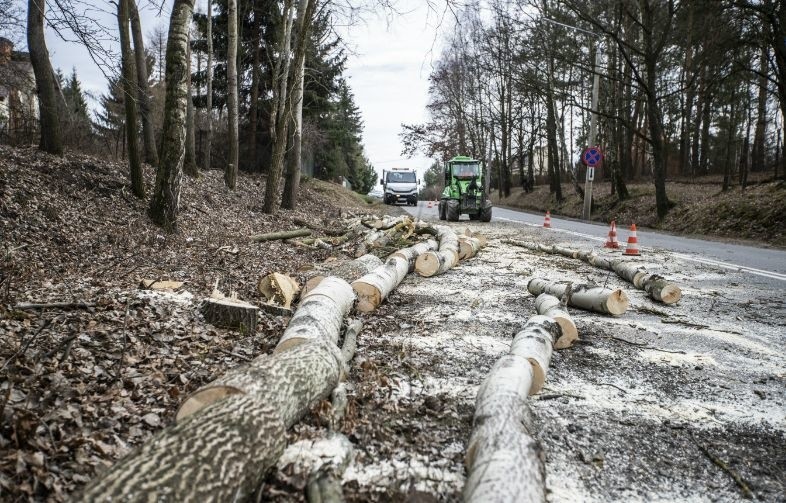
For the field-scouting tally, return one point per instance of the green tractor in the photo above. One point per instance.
(465, 191)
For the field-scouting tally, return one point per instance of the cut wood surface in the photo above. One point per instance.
(348, 270)
(230, 312)
(278, 289)
(657, 287)
(438, 262)
(154, 284)
(504, 461)
(411, 253)
(273, 236)
(468, 247)
(374, 287)
(587, 297)
(230, 432)
(548, 305)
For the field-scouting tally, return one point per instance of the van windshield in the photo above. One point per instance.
(401, 177)
(466, 170)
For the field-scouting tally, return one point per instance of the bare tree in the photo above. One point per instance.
(129, 91)
(166, 197)
(209, 98)
(189, 162)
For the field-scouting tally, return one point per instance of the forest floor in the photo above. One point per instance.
(686, 402)
(700, 208)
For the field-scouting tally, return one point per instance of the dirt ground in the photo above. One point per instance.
(660, 404)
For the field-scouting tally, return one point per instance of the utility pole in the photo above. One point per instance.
(587, 215)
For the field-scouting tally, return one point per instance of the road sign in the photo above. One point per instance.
(590, 173)
(591, 157)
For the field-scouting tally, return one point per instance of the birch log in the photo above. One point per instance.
(657, 287)
(587, 297)
(468, 247)
(374, 287)
(548, 305)
(348, 271)
(220, 448)
(412, 253)
(438, 262)
(504, 461)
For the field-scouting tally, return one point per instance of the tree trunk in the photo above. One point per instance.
(555, 186)
(761, 115)
(129, 90)
(143, 87)
(412, 253)
(230, 172)
(230, 313)
(349, 270)
(374, 287)
(587, 297)
(548, 305)
(292, 182)
(253, 109)
(274, 236)
(189, 161)
(435, 263)
(209, 97)
(504, 461)
(48, 93)
(166, 198)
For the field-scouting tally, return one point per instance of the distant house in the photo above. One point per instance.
(18, 97)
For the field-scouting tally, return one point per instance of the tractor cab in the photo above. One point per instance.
(465, 191)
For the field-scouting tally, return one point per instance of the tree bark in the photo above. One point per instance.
(548, 305)
(587, 297)
(374, 287)
(349, 270)
(189, 161)
(274, 236)
(253, 109)
(209, 97)
(504, 461)
(48, 92)
(230, 172)
(130, 92)
(143, 87)
(292, 182)
(166, 198)
(230, 313)
(434, 263)
(231, 431)
(761, 115)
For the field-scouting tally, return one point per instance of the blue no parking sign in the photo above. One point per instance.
(592, 157)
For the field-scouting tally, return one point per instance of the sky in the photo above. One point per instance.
(390, 59)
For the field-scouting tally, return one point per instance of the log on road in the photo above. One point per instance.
(504, 460)
(587, 297)
(548, 305)
(219, 450)
(438, 262)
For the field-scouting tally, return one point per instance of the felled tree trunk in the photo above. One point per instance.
(230, 432)
(657, 287)
(504, 461)
(375, 286)
(548, 305)
(468, 247)
(438, 262)
(587, 297)
(411, 253)
(348, 271)
(274, 236)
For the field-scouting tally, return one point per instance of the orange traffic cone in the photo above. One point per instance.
(612, 242)
(430, 204)
(547, 221)
(633, 242)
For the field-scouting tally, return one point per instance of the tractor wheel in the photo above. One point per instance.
(442, 209)
(485, 214)
(452, 211)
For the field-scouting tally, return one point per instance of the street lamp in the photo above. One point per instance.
(587, 213)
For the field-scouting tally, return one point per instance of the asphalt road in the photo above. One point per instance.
(763, 262)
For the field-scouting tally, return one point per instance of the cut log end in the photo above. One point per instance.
(538, 376)
(204, 397)
(617, 303)
(427, 264)
(670, 294)
(569, 333)
(368, 296)
(230, 313)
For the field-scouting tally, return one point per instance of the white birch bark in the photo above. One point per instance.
(438, 262)
(548, 305)
(412, 253)
(374, 287)
(587, 297)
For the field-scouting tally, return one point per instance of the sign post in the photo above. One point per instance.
(591, 139)
(592, 157)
